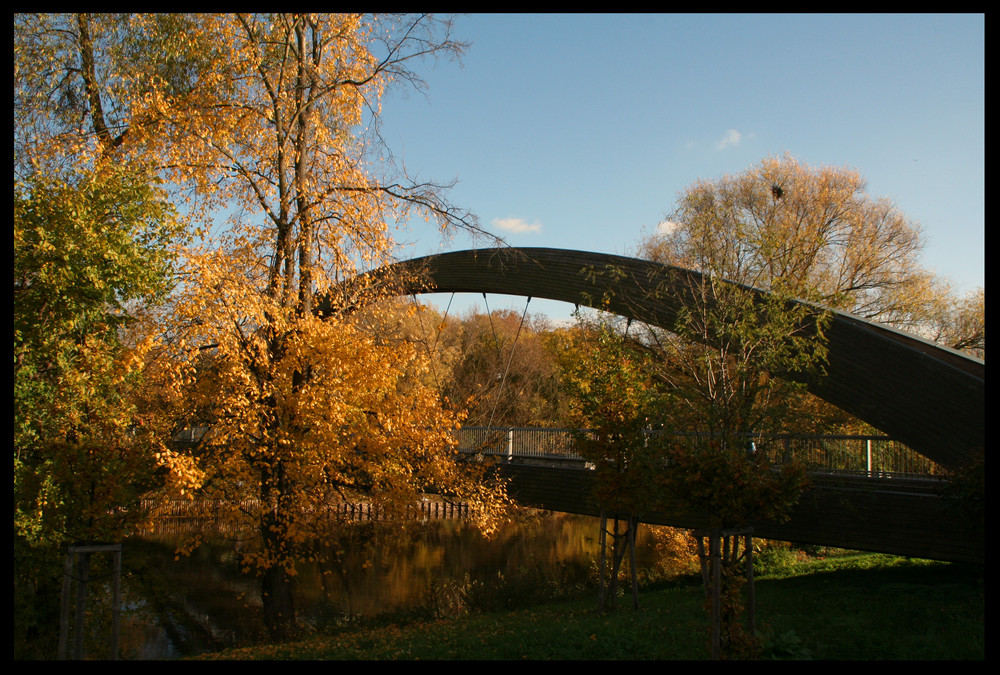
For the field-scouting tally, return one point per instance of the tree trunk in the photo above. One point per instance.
(278, 603)
(723, 579)
(633, 527)
(621, 543)
(276, 583)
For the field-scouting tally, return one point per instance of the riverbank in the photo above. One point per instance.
(851, 607)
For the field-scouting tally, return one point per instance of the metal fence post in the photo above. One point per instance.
(82, 553)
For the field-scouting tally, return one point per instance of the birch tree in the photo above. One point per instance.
(265, 127)
(306, 409)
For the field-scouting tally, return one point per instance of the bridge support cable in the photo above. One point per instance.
(437, 335)
(510, 356)
(496, 340)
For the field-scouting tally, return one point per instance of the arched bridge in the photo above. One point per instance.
(929, 397)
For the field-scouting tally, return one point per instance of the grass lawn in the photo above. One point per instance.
(851, 607)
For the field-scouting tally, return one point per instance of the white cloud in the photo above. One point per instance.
(732, 137)
(517, 225)
(667, 227)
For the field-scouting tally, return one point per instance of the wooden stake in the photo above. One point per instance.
(83, 552)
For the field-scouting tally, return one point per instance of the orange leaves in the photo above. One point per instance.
(185, 475)
(255, 117)
(326, 405)
(242, 121)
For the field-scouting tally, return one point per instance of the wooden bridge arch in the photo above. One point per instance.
(929, 397)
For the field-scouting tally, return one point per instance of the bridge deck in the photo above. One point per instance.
(899, 516)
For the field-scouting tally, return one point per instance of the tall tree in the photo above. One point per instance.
(87, 256)
(807, 232)
(788, 231)
(718, 365)
(93, 238)
(306, 406)
(812, 233)
(269, 121)
(725, 357)
(84, 255)
(615, 402)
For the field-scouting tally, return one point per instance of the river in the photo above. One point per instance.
(178, 606)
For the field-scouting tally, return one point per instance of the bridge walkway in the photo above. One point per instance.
(866, 493)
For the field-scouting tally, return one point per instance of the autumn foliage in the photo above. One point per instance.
(193, 193)
(817, 234)
(261, 126)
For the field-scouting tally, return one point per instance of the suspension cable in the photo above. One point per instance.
(493, 329)
(437, 335)
(510, 358)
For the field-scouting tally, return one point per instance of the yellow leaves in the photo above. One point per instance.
(332, 401)
(184, 474)
(297, 406)
(188, 545)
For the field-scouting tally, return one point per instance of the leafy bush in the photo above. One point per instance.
(786, 645)
(774, 558)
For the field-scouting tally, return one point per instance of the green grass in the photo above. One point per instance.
(853, 607)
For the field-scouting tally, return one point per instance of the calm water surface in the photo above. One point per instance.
(202, 602)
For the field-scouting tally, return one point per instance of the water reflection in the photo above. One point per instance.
(190, 605)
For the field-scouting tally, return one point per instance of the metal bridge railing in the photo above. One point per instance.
(518, 442)
(860, 455)
(853, 454)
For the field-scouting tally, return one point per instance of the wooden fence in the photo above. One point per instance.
(177, 514)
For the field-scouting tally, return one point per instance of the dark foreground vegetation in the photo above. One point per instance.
(827, 606)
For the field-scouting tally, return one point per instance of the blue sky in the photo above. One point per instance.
(579, 131)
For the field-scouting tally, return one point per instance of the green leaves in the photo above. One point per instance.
(730, 485)
(616, 399)
(93, 245)
(86, 254)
